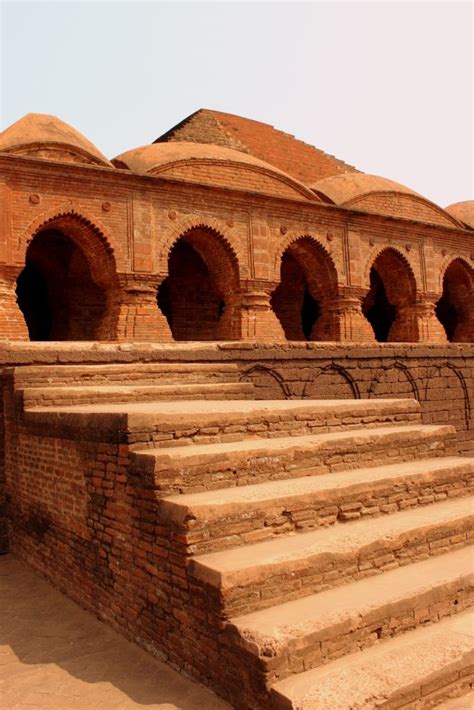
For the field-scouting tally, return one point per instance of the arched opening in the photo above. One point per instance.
(56, 291)
(199, 297)
(389, 304)
(455, 308)
(308, 281)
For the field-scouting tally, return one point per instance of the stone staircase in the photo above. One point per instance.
(312, 544)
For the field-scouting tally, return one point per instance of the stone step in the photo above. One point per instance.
(204, 467)
(91, 394)
(244, 579)
(152, 424)
(136, 373)
(298, 635)
(419, 669)
(228, 517)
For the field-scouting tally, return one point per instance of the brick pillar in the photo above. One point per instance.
(259, 321)
(138, 315)
(12, 323)
(342, 319)
(429, 328)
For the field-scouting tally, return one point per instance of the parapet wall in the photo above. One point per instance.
(440, 377)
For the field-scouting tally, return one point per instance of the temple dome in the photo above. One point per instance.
(463, 211)
(39, 135)
(212, 164)
(379, 195)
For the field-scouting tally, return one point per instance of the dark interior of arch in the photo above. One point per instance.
(377, 308)
(56, 293)
(452, 308)
(447, 315)
(295, 307)
(189, 297)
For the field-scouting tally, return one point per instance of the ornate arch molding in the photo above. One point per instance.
(334, 367)
(435, 371)
(446, 263)
(86, 233)
(293, 237)
(374, 255)
(398, 366)
(187, 224)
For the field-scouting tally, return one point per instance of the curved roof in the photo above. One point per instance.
(45, 136)
(463, 211)
(160, 158)
(379, 195)
(344, 188)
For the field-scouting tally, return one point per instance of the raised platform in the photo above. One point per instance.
(262, 545)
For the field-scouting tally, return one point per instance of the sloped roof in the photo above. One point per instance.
(37, 131)
(294, 157)
(463, 211)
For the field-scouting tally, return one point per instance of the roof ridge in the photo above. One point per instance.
(284, 133)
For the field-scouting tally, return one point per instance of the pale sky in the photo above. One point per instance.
(385, 86)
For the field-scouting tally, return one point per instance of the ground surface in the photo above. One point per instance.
(55, 655)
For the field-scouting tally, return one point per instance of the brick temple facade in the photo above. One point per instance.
(236, 409)
(223, 229)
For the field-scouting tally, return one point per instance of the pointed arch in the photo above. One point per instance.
(68, 287)
(186, 224)
(308, 284)
(200, 297)
(88, 234)
(455, 308)
(389, 305)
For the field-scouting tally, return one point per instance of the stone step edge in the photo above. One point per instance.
(133, 367)
(329, 546)
(50, 396)
(164, 419)
(246, 447)
(342, 610)
(212, 505)
(185, 386)
(432, 660)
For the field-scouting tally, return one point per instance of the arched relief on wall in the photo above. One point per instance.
(181, 226)
(268, 383)
(331, 382)
(447, 399)
(394, 381)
